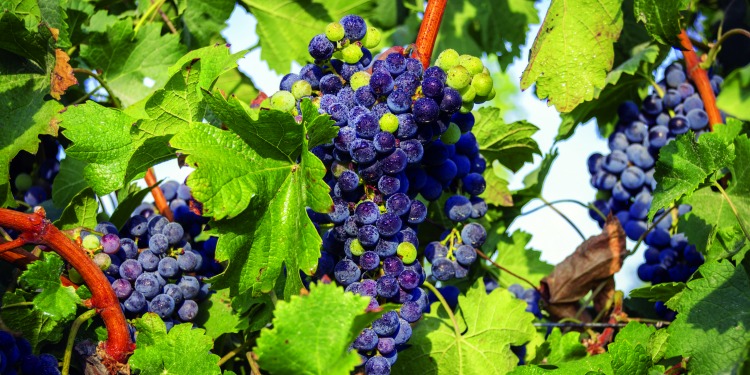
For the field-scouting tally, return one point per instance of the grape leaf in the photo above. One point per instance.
(80, 212)
(511, 144)
(713, 312)
(115, 150)
(658, 292)
(54, 14)
(733, 98)
(598, 364)
(255, 164)
(68, 182)
(661, 18)
(630, 351)
(489, 325)
(126, 59)
(299, 344)
(685, 163)
(617, 89)
(23, 35)
(238, 84)
(513, 254)
(497, 192)
(204, 20)
(184, 350)
(57, 301)
(216, 316)
(573, 51)
(561, 348)
(34, 324)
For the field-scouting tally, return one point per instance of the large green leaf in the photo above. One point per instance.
(258, 177)
(216, 316)
(712, 320)
(573, 51)
(661, 18)
(126, 59)
(35, 325)
(299, 344)
(488, 325)
(68, 182)
(80, 212)
(733, 98)
(204, 20)
(57, 301)
(183, 351)
(511, 144)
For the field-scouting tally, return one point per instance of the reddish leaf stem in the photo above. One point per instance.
(159, 200)
(428, 30)
(20, 241)
(700, 77)
(38, 230)
(18, 256)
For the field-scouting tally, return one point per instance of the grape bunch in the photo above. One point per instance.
(152, 264)
(452, 256)
(16, 358)
(404, 131)
(32, 176)
(625, 177)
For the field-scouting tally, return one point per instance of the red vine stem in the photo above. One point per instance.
(700, 77)
(159, 200)
(38, 230)
(428, 30)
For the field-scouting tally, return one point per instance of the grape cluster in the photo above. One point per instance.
(16, 358)
(152, 263)
(403, 131)
(32, 177)
(452, 256)
(625, 177)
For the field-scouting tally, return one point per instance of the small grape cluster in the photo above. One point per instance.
(16, 358)
(456, 252)
(152, 264)
(625, 177)
(32, 177)
(403, 131)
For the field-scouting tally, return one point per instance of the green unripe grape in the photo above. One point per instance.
(356, 248)
(372, 38)
(351, 54)
(91, 242)
(492, 94)
(301, 89)
(389, 123)
(451, 135)
(468, 93)
(482, 83)
(458, 77)
(337, 169)
(466, 107)
(471, 63)
(359, 79)
(334, 31)
(103, 261)
(447, 59)
(283, 101)
(407, 252)
(74, 276)
(23, 182)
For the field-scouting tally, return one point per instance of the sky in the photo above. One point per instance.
(568, 179)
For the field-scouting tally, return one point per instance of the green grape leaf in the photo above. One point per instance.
(115, 150)
(564, 348)
(249, 176)
(617, 89)
(184, 350)
(713, 312)
(573, 51)
(127, 203)
(100, 22)
(26, 37)
(68, 182)
(216, 316)
(126, 59)
(497, 192)
(34, 324)
(57, 301)
(661, 18)
(630, 351)
(513, 253)
(80, 212)
(488, 324)
(733, 98)
(658, 292)
(685, 163)
(511, 144)
(598, 364)
(299, 344)
(204, 20)
(238, 84)
(255, 312)
(54, 14)
(78, 12)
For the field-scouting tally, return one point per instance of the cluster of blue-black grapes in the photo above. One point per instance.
(153, 264)
(32, 176)
(16, 358)
(625, 177)
(452, 256)
(404, 131)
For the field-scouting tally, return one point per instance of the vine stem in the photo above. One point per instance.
(567, 219)
(584, 205)
(161, 202)
(72, 339)
(428, 30)
(485, 257)
(734, 209)
(594, 325)
(234, 352)
(700, 77)
(445, 306)
(37, 229)
(98, 78)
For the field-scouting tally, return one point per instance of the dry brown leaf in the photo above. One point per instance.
(62, 75)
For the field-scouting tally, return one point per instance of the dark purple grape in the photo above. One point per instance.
(320, 48)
